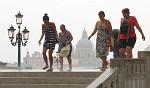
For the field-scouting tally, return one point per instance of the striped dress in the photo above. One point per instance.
(50, 40)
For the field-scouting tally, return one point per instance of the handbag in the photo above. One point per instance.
(125, 27)
(65, 51)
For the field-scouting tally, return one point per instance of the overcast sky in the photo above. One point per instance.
(75, 14)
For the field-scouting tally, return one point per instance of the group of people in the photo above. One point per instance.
(120, 41)
(51, 39)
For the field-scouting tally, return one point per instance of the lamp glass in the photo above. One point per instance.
(19, 18)
(25, 34)
(11, 32)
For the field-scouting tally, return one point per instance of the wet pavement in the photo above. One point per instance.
(54, 70)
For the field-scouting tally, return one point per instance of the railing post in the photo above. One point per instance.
(146, 55)
(133, 73)
(130, 73)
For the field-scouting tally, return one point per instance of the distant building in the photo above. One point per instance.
(35, 61)
(85, 52)
(82, 56)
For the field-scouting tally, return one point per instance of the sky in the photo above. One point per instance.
(75, 14)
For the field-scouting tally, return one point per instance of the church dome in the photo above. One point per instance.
(84, 42)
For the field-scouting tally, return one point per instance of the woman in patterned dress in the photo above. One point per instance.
(51, 37)
(103, 41)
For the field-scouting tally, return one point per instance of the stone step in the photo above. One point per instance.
(43, 85)
(51, 74)
(45, 80)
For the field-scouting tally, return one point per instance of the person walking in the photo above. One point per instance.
(51, 38)
(65, 38)
(103, 40)
(127, 35)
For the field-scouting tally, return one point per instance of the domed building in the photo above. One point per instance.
(85, 52)
(83, 55)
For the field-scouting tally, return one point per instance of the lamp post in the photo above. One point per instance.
(19, 37)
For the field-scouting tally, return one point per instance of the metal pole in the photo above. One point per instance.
(19, 48)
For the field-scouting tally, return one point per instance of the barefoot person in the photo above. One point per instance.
(51, 37)
(103, 29)
(127, 36)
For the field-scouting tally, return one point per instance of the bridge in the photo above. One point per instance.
(122, 73)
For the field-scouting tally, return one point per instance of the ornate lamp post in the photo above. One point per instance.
(19, 39)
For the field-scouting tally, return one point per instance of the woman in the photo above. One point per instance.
(127, 38)
(103, 41)
(51, 37)
(65, 38)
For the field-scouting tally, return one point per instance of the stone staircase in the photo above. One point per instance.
(47, 79)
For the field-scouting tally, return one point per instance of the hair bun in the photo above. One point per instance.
(45, 14)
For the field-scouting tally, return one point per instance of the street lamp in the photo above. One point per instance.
(19, 39)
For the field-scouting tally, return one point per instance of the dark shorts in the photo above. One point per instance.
(123, 43)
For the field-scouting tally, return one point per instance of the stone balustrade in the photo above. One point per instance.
(126, 73)
(109, 79)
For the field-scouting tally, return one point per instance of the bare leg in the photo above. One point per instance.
(69, 61)
(61, 62)
(104, 62)
(122, 52)
(129, 51)
(45, 57)
(51, 57)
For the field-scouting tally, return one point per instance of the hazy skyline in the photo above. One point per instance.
(75, 14)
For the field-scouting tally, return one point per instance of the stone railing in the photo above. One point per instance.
(108, 79)
(126, 73)
(132, 72)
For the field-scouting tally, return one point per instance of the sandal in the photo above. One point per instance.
(70, 69)
(45, 67)
(102, 69)
(106, 65)
(50, 69)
